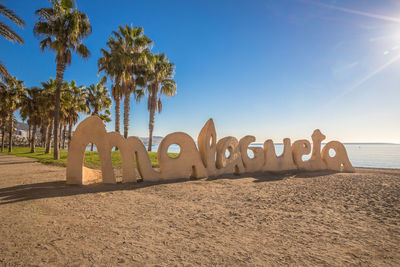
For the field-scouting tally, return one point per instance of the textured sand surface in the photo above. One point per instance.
(299, 219)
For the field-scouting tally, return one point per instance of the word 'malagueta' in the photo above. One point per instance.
(206, 159)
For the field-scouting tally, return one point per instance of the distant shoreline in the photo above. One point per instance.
(366, 143)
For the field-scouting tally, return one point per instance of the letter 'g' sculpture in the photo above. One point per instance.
(208, 159)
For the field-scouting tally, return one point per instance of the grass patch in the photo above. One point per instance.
(91, 159)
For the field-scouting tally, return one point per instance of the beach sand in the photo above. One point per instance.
(313, 219)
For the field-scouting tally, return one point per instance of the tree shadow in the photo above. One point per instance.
(26, 192)
(54, 189)
(18, 162)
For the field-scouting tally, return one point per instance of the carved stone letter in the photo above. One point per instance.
(187, 164)
(316, 162)
(90, 130)
(255, 164)
(207, 141)
(281, 163)
(300, 148)
(232, 164)
(339, 162)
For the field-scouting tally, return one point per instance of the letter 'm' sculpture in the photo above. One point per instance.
(208, 159)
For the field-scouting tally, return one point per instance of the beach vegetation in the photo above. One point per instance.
(12, 91)
(159, 76)
(97, 99)
(62, 29)
(91, 159)
(127, 47)
(52, 109)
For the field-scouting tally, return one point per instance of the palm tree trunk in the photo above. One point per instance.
(49, 137)
(59, 137)
(43, 132)
(117, 113)
(33, 143)
(29, 133)
(10, 131)
(91, 147)
(59, 80)
(69, 133)
(151, 123)
(126, 113)
(64, 136)
(3, 132)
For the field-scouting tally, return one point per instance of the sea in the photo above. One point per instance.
(372, 155)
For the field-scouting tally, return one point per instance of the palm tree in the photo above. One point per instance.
(49, 89)
(26, 111)
(128, 46)
(14, 90)
(47, 111)
(63, 29)
(3, 113)
(32, 108)
(160, 74)
(98, 99)
(8, 33)
(109, 64)
(75, 102)
(63, 114)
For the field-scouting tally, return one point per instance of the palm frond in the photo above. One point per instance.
(67, 4)
(139, 95)
(45, 43)
(9, 34)
(67, 56)
(159, 106)
(168, 87)
(3, 72)
(11, 16)
(43, 28)
(83, 51)
(45, 13)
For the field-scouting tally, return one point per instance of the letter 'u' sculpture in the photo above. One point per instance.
(206, 159)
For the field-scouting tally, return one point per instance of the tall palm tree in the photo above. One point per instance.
(109, 64)
(98, 99)
(63, 29)
(8, 33)
(14, 90)
(49, 89)
(63, 114)
(160, 74)
(128, 45)
(32, 108)
(47, 109)
(75, 103)
(26, 111)
(3, 113)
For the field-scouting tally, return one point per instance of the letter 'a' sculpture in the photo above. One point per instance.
(206, 159)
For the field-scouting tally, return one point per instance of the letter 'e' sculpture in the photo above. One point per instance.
(206, 159)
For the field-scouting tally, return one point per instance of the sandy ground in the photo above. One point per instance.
(298, 219)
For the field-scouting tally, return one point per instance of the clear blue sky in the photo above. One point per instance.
(272, 69)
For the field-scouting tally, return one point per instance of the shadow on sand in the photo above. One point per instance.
(43, 190)
(18, 162)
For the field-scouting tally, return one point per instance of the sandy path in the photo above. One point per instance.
(304, 219)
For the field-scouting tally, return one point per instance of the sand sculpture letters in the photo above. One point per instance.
(206, 159)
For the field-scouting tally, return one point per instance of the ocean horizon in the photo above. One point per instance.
(370, 155)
